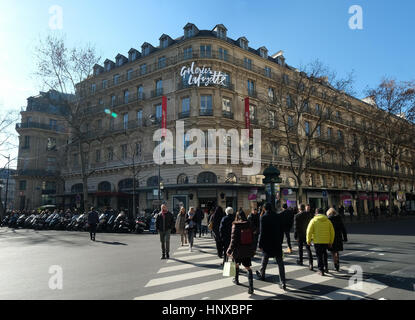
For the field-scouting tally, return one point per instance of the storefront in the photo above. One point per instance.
(317, 199)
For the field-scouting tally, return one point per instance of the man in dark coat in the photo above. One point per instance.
(216, 219)
(198, 220)
(287, 216)
(93, 220)
(253, 220)
(301, 221)
(351, 212)
(164, 224)
(225, 230)
(270, 242)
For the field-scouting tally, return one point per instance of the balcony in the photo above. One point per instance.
(253, 121)
(206, 112)
(157, 93)
(37, 173)
(185, 114)
(252, 93)
(227, 114)
(37, 125)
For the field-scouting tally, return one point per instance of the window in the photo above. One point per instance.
(318, 131)
(271, 93)
(165, 43)
(186, 106)
(93, 88)
(263, 53)
(289, 101)
(126, 96)
(51, 144)
(187, 53)
(339, 135)
(338, 115)
(140, 117)
(159, 112)
(124, 151)
(272, 119)
(125, 121)
(129, 74)
(53, 124)
(182, 179)
(307, 128)
(305, 106)
(329, 132)
(133, 56)
(223, 54)
(251, 87)
(290, 122)
(274, 149)
(227, 79)
(285, 79)
(227, 105)
(104, 84)
(205, 51)
(138, 150)
(110, 153)
(248, 63)
(243, 44)
(159, 87)
(252, 112)
(116, 78)
(22, 185)
(268, 72)
(221, 33)
(113, 100)
(318, 108)
(140, 95)
(206, 105)
(26, 142)
(143, 69)
(161, 62)
(188, 32)
(97, 156)
(146, 51)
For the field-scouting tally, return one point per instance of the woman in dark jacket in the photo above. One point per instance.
(242, 253)
(340, 235)
(225, 230)
(216, 219)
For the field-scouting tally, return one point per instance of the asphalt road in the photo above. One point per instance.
(128, 266)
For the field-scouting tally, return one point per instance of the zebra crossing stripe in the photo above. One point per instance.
(195, 249)
(355, 291)
(179, 267)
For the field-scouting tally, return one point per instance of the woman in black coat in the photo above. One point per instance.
(340, 235)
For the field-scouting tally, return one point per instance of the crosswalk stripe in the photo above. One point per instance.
(355, 291)
(190, 257)
(189, 266)
(195, 249)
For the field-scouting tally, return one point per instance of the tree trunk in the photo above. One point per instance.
(300, 193)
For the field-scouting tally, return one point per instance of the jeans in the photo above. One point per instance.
(280, 262)
(92, 230)
(199, 228)
(165, 241)
(219, 245)
(287, 235)
(183, 237)
(190, 236)
(321, 252)
(301, 243)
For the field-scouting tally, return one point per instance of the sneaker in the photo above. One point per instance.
(321, 273)
(167, 256)
(259, 275)
(283, 286)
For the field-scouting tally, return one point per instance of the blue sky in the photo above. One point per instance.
(303, 29)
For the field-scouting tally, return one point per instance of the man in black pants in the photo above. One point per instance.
(93, 220)
(301, 220)
(287, 220)
(270, 242)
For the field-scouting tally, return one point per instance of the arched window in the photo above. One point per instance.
(182, 179)
(207, 177)
(153, 181)
(127, 184)
(231, 178)
(77, 188)
(104, 186)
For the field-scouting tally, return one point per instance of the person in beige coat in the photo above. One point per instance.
(180, 225)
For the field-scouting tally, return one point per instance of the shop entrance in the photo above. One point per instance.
(232, 202)
(207, 203)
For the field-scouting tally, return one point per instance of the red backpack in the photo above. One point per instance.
(246, 236)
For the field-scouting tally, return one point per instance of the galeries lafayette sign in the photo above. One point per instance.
(202, 76)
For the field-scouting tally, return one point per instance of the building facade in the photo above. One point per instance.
(206, 77)
(7, 185)
(43, 139)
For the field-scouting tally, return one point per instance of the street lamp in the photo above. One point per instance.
(272, 176)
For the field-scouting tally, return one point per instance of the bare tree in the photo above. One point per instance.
(64, 69)
(395, 102)
(300, 124)
(7, 122)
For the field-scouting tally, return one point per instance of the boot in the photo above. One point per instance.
(251, 282)
(336, 266)
(236, 279)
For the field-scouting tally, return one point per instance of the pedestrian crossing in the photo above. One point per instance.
(198, 275)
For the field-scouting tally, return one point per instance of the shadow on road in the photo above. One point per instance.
(114, 243)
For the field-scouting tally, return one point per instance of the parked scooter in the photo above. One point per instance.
(28, 223)
(121, 223)
(13, 221)
(40, 221)
(72, 223)
(80, 224)
(103, 221)
(140, 225)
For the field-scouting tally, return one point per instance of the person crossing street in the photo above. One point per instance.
(93, 220)
(225, 230)
(340, 236)
(301, 221)
(164, 224)
(287, 216)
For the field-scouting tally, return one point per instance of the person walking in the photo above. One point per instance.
(241, 248)
(287, 222)
(270, 242)
(320, 230)
(215, 219)
(164, 224)
(253, 219)
(205, 223)
(93, 220)
(340, 236)
(191, 227)
(198, 220)
(225, 230)
(180, 225)
(301, 221)
(351, 212)
(341, 211)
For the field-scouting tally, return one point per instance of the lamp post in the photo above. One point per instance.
(272, 176)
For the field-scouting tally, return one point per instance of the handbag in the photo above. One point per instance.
(229, 269)
(210, 226)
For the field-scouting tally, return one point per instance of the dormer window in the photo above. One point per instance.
(243, 43)
(133, 56)
(220, 31)
(146, 51)
(189, 32)
(165, 43)
(263, 52)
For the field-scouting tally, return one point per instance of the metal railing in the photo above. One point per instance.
(37, 125)
(227, 114)
(185, 114)
(206, 112)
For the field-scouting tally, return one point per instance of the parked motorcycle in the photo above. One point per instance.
(103, 221)
(80, 224)
(28, 223)
(140, 225)
(71, 225)
(13, 221)
(121, 224)
(39, 222)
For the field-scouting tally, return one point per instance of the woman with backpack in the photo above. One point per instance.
(242, 248)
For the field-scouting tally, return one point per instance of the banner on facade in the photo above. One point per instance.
(247, 119)
(163, 116)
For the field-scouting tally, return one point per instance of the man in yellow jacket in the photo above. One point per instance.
(320, 230)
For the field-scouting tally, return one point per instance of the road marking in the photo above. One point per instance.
(189, 258)
(355, 292)
(179, 267)
(182, 277)
(195, 250)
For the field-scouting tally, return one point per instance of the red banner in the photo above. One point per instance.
(247, 119)
(163, 116)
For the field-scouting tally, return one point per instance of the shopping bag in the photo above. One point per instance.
(229, 269)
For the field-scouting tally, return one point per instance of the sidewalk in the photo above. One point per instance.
(368, 219)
